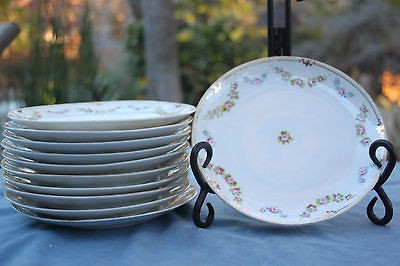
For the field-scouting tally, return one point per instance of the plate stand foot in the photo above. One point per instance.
(387, 203)
(204, 187)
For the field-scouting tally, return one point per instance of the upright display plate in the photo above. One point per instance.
(290, 139)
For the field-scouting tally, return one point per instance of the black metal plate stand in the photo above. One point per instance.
(204, 187)
(279, 36)
(387, 171)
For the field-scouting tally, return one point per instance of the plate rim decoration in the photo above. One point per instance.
(47, 117)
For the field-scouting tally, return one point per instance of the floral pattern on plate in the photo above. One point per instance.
(89, 110)
(233, 95)
(209, 139)
(328, 199)
(342, 92)
(256, 80)
(285, 137)
(360, 125)
(58, 112)
(363, 171)
(33, 116)
(234, 188)
(300, 82)
(273, 211)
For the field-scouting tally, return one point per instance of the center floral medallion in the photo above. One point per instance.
(285, 137)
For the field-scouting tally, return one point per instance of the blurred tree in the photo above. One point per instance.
(395, 3)
(86, 62)
(215, 36)
(162, 65)
(136, 59)
(48, 60)
(37, 63)
(362, 45)
(136, 8)
(53, 59)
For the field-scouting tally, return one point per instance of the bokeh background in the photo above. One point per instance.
(88, 50)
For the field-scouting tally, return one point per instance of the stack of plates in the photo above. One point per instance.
(98, 164)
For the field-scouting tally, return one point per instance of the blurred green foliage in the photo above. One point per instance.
(47, 61)
(39, 65)
(395, 3)
(86, 62)
(211, 51)
(41, 70)
(213, 36)
(136, 60)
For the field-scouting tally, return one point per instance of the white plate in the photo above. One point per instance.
(127, 220)
(95, 213)
(94, 202)
(26, 184)
(111, 115)
(107, 168)
(290, 138)
(90, 213)
(93, 136)
(93, 158)
(95, 181)
(96, 147)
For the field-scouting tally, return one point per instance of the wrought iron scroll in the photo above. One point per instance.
(387, 171)
(204, 187)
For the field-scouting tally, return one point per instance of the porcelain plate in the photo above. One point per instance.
(290, 139)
